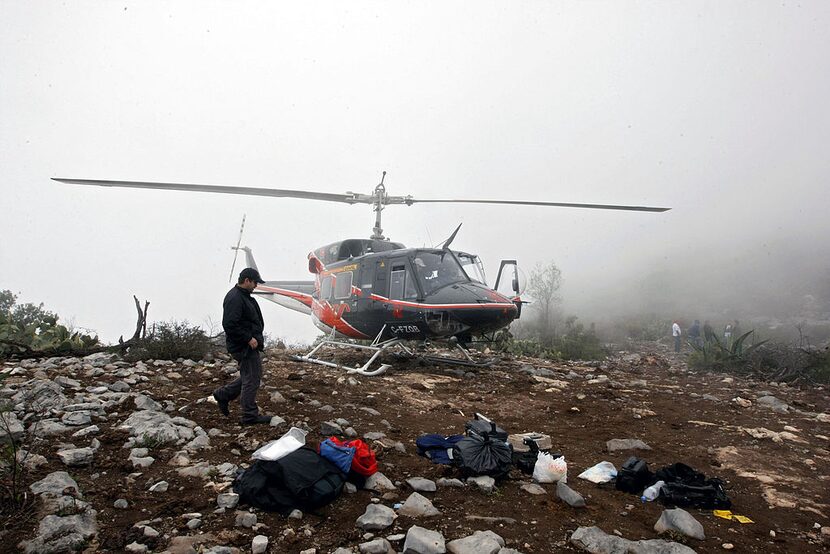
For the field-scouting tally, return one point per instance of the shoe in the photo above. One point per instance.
(223, 405)
(256, 420)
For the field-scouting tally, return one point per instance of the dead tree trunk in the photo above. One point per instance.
(140, 325)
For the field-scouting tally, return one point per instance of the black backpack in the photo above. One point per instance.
(301, 480)
(634, 476)
(685, 487)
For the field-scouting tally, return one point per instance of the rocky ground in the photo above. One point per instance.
(134, 457)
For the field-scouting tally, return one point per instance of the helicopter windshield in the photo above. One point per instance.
(472, 266)
(438, 269)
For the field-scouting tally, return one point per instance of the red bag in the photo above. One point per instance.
(364, 462)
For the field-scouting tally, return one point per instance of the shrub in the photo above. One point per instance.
(713, 355)
(576, 343)
(171, 340)
(29, 328)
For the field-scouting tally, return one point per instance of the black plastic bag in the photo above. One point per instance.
(483, 456)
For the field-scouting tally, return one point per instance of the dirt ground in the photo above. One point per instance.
(782, 483)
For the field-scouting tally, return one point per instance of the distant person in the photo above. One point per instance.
(694, 333)
(708, 332)
(675, 332)
(727, 335)
(244, 326)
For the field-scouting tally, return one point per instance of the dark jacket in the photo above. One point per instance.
(241, 320)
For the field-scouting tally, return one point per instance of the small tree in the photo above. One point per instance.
(545, 280)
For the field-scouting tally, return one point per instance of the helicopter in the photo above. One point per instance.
(381, 292)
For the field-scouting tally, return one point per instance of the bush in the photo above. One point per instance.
(29, 328)
(576, 343)
(170, 341)
(713, 355)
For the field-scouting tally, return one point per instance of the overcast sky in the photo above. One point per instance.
(716, 109)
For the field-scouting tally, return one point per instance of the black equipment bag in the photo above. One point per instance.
(526, 461)
(634, 476)
(301, 480)
(481, 425)
(476, 455)
(685, 487)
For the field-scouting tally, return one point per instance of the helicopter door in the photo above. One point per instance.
(381, 283)
(511, 280)
(513, 275)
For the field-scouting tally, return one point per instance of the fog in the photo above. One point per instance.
(717, 110)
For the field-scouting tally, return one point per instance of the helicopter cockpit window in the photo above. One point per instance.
(325, 288)
(401, 284)
(438, 269)
(472, 266)
(343, 285)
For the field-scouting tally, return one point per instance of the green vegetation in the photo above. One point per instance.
(713, 355)
(575, 343)
(543, 333)
(149, 441)
(29, 328)
(170, 341)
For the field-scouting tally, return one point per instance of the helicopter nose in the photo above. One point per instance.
(494, 312)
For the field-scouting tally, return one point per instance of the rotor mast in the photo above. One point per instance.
(379, 198)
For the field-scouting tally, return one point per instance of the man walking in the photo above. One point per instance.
(243, 325)
(694, 333)
(675, 332)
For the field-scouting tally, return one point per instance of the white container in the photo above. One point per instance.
(286, 444)
(652, 492)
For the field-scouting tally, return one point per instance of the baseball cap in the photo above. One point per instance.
(252, 274)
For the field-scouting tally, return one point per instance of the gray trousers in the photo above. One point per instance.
(246, 385)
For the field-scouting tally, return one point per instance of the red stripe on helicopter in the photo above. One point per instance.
(306, 299)
(407, 304)
(332, 317)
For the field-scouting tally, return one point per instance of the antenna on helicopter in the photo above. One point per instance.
(236, 248)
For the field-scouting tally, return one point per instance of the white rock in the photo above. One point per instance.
(376, 518)
(418, 506)
(161, 486)
(378, 482)
(227, 500)
(681, 521)
(423, 541)
(259, 544)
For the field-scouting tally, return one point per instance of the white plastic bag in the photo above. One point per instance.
(600, 473)
(549, 469)
(286, 444)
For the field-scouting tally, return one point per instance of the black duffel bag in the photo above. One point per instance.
(687, 488)
(301, 480)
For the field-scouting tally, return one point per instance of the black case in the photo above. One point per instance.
(481, 426)
(634, 476)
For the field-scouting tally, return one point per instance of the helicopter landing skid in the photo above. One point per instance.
(467, 361)
(377, 347)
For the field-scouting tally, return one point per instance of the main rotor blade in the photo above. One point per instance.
(222, 189)
(410, 200)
